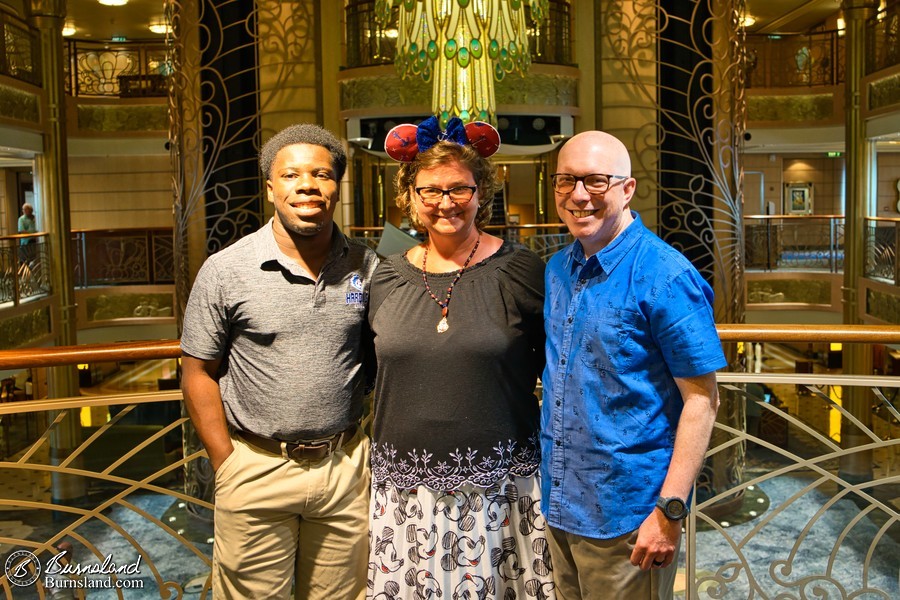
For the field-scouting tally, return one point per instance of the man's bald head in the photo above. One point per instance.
(609, 154)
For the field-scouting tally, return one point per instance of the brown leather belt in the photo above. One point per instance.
(301, 450)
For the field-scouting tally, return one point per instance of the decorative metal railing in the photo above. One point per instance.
(123, 257)
(881, 249)
(101, 257)
(883, 39)
(794, 242)
(121, 69)
(815, 59)
(19, 51)
(24, 268)
(369, 44)
(799, 526)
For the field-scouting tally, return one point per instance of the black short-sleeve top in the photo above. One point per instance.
(459, 406)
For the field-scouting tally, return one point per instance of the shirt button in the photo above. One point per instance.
(558, 443)
(571, 319)
(558, 403)
(582, 281)
(562, 361)
(556, 482)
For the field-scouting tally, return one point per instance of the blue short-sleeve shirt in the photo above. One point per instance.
(621, 325)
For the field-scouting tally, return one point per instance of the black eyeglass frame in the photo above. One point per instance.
(448, 193)
(582, 178)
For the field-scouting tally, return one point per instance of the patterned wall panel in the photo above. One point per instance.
(388, 91)
(883, 306)
(792, 108)
(122, 118)
(22, 329)
(884, 92)
(18, 105)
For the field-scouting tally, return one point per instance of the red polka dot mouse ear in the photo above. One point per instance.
(483, 137)
(400, 143)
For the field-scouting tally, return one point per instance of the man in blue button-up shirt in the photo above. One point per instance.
(630, 392)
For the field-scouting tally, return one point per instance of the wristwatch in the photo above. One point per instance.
(674, 508)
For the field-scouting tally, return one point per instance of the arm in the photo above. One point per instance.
(200, 386)
(657, 535)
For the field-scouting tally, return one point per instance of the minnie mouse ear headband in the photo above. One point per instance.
(403, 142)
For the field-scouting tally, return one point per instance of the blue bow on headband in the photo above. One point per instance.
(429, 133)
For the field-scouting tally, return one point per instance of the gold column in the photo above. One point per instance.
(857, 359)
(53, 177)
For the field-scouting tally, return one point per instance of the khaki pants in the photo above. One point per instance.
(279, 521)
(590, 569)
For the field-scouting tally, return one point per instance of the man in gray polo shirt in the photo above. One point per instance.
(273, 379)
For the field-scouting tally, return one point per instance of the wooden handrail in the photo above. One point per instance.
(69, 355)
(55, 356)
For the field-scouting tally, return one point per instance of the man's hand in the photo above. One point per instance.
(217, 460)
(657, 539)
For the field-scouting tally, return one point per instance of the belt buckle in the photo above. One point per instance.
(297, 451)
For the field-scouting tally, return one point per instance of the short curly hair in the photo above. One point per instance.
(483, 171)
(303, 133)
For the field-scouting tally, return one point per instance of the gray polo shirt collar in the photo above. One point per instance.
(267, 250)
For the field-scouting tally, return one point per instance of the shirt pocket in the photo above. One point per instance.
(607, 340)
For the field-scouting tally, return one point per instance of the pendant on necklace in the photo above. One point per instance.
(443, 326)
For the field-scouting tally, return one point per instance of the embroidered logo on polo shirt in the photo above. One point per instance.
(360, 297)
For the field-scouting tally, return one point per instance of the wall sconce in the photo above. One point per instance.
(746, 20)
(113, 2)
(160, 26)
(68, 29)
(362, 142)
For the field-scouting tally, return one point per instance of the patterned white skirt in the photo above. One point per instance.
(466, 544)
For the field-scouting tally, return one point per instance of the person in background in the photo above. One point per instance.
(273, 379)
(630, 392)
(459, 341)
(27, 224)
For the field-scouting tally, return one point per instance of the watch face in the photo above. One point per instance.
(675, 508)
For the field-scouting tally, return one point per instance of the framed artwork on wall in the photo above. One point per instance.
(798, 198)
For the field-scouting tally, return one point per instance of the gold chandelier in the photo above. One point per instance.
(461, 46)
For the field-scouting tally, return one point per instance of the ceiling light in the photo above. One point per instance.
(841, 26)
(747, 20)
(160, 25)
(113, 2)
(68, 28)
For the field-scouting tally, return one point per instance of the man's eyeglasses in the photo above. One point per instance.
(432, 196)
(596, 183)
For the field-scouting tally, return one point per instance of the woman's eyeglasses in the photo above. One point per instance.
(460, 195)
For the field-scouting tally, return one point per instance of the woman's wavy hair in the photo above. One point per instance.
(483, 170)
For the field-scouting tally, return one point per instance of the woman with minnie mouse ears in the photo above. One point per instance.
(459, 338)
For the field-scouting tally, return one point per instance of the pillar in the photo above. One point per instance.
(857, 359)
(47, 17)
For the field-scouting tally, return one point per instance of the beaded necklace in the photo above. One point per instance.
(442, 325)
